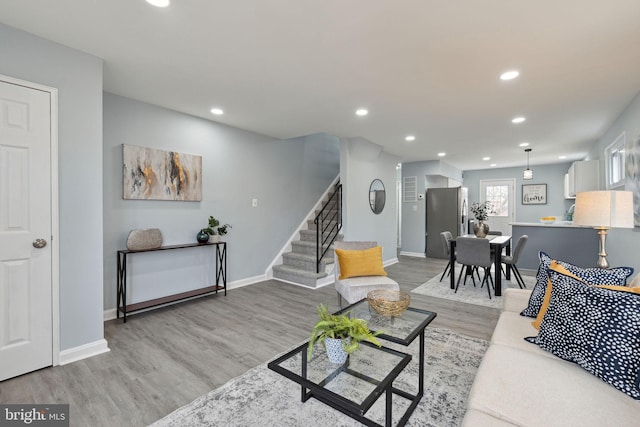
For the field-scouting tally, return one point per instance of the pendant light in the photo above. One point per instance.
(527, 173)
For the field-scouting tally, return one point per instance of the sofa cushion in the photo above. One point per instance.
(357, 288)
(510, 331)
(473, 418)
(599, 329)
(522, 388)
(366, 262)
(515, 300)
(591, 276)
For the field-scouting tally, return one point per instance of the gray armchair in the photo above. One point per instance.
(354, 289)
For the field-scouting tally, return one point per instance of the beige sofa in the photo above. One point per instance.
(520, 384)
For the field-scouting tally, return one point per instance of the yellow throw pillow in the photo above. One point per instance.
(366, 262)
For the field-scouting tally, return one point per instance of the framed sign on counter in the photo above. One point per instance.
(534, 194)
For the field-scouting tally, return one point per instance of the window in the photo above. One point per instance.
(498, 195)
(614, 155)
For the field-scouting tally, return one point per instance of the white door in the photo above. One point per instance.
(501, 194)
(25, 215)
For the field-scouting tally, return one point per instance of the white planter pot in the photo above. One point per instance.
(335, 351)
(215, 238)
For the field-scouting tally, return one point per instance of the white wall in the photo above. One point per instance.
(286, 176)
(78, 78)
(361, 162)
(622, 244)
(430, 174)
(552, 175)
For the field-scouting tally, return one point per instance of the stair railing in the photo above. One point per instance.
(328, 224)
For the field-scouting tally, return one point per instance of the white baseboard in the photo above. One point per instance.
(83, 351)
(390, 262)
(413, 254)
(111, 313)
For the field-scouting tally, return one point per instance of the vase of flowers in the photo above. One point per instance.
(481, 212)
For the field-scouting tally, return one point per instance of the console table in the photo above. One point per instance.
(220, 269)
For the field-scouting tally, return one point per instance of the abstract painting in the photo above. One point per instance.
(632, 176)
(152, 174)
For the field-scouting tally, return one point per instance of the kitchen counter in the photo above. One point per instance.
(560, 240)
(566, 224)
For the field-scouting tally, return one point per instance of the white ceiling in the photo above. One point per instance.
(428, 68)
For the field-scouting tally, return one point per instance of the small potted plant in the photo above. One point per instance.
(215, 230)
(481, 212)
(340, 334)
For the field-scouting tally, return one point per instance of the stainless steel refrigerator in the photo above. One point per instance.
(446, 210)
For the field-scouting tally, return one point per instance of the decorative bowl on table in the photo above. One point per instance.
(388, 303)
(548, 219)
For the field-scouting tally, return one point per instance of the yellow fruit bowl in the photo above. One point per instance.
(548, 219)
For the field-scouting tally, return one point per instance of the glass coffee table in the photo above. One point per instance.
(353, 387)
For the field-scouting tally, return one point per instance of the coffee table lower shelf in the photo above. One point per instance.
(379, 377)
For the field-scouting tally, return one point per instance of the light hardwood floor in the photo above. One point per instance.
(165, 358)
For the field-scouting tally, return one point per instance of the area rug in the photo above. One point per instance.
(261, 397)
(469, 294)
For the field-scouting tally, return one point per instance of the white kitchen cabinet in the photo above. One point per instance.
(582, 176)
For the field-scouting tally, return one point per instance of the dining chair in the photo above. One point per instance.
(511, 260)
(474, 252)
(446, 237)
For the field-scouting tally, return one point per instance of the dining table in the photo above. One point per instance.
(497, 245)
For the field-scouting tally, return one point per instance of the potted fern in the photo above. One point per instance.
(340, 334)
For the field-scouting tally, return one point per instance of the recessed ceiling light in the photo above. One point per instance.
(362, 112)
(509, 75)
(442, 154)
(410, 138)
(486, 158)
(217, 111)
(524, 144)
(493, 165)
(562, 157)
(518, 120)
(159, 3)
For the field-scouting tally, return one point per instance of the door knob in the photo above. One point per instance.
(39, 243)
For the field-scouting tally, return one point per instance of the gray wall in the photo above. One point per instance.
(430, 174)
(286, 176)
(78, 78)
(361, 162)
(622, 244)
(552, 175)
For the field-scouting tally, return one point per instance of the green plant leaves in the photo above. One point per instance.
(340, 326)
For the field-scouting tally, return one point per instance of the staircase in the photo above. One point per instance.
(301, 266)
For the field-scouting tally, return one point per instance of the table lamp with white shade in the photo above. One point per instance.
(603, 210)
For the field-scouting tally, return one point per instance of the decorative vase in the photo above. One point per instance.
(215, 238)
(335, 351)
(146, 238)
(202, 237)
(480, 228)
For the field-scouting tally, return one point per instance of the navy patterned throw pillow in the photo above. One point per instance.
(537, 294)
(599, 329)
(591, 276)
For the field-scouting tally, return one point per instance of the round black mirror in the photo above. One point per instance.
(377, 196)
